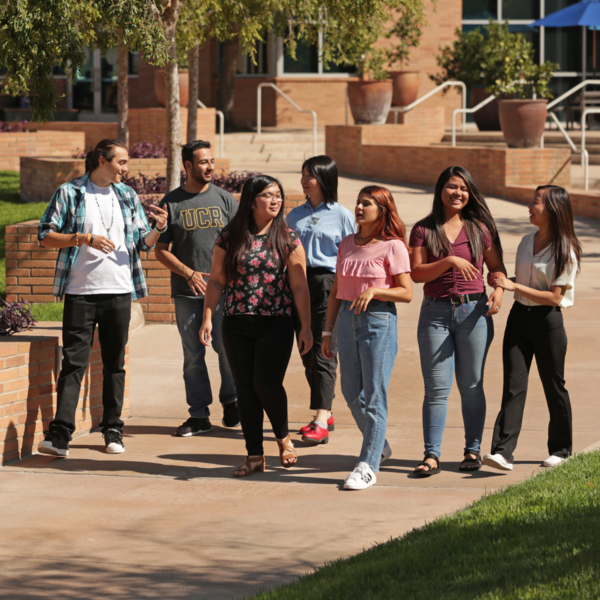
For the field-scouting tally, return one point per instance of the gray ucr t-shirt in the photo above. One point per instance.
(195, 221)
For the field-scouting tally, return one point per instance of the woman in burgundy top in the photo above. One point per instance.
(455, 327)
(260, 262)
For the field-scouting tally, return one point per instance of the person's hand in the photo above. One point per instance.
(464, 267)
(495, 302)
(198, 283)
(103, 244)
(305, 340)
(326, 347)
(491, 279)
(205, 332)
(160, 216)
(362, 301)
(504, 283)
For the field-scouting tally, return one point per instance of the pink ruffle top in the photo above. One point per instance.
(362, 267)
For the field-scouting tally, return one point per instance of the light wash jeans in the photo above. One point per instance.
(367, 348)
(195, 374)
(453, 340)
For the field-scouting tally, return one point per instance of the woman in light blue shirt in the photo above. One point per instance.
(322, 223)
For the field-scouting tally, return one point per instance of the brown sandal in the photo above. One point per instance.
(251, 466)
(287, 452)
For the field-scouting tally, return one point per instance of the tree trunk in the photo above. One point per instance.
(170, 17)
(192, 120)
(123, 93)
(226, 88)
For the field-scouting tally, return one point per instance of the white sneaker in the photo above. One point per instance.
(386, 452)
(361, 478)
(552, 461)
(113, 438)
(497, 461)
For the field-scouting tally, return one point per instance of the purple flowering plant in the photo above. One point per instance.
(15, 317)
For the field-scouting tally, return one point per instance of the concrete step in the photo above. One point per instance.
(272, 146)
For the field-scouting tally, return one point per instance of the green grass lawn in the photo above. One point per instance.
(538, 539)
(51, 311)
(12, 211)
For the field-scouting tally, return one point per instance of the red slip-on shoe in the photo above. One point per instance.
(307, 428)
(316, 434)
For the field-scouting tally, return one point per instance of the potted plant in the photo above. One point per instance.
(480, 60)
(370, 98)
(523, 119)
(408, 29)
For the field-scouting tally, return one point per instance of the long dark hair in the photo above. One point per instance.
(104, 148)
(390, 224)
(325, 171)
(475, 216)
(240, 229)
(561, 231)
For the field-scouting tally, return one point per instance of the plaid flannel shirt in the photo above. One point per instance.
(66, 214)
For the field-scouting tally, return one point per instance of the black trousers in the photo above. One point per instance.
(112, 313)
(320, 371)
(534, 331)
(258, 350)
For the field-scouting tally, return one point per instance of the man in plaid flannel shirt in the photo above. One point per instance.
(100, 227)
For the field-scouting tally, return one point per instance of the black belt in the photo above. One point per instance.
(318, 271)
(457, 299)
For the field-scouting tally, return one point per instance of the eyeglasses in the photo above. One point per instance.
(268, 197)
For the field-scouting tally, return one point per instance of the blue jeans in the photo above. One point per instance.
(195, 374)
(367, 348)
(453, 339)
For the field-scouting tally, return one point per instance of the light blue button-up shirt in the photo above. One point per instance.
(321, 231)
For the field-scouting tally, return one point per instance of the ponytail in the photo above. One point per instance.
(104, 148)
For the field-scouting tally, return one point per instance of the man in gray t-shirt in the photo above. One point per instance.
(198, 211)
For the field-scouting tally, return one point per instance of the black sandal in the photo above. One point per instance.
(430, 470)
(470, 464)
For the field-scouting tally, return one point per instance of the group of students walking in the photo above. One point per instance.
(330, 280)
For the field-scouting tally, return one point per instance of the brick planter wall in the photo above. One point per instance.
(145, 125)
(40, 177)
(28, 390)
(30, 270)
(40, 143)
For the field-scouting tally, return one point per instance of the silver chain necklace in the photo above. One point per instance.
(112, 215)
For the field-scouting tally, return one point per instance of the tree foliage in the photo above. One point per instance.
(38, 35)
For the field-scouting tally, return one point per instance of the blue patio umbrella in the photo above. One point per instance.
(583, 14)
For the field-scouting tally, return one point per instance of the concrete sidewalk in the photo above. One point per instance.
(167, 520)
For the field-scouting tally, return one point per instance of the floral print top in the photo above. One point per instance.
(260, 289)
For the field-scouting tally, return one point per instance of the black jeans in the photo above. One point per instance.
(534, 331)
(258, 351)
(320, 371)
(112, 313)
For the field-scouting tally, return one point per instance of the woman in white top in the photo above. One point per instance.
(546, 265)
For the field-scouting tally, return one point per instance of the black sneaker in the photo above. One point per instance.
(231, 418)
(113, 438)
(54, 444)
(194, 426)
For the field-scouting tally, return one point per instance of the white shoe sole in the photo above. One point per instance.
(115, 449)
(193, 433)
(491, 462)
(230, 426)
(358, 485)
(553, 461)
(51, 450)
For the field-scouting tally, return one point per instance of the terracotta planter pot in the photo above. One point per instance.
(370, 101)
(486, 118)
(159, 87)
(522, 122)
(406, 87)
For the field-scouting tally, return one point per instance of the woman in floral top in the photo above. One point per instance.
(261, 265)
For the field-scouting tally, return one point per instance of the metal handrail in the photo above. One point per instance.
(586, 166)
(221, 129)
(574, 89)
(403, 109)
(286, 97)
